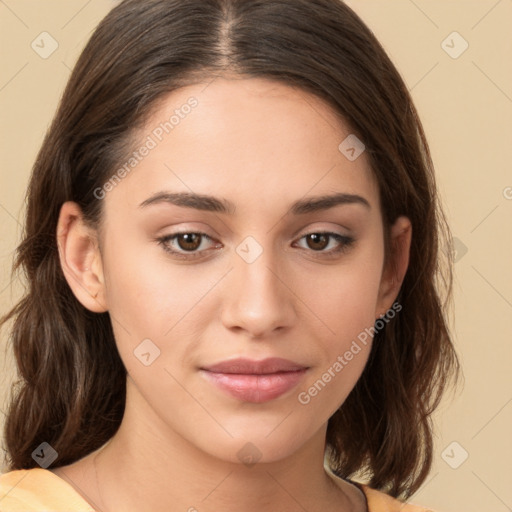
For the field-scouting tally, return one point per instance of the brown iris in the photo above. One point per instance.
(189, 241)
(320, 240)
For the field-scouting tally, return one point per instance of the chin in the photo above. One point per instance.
(255, 446)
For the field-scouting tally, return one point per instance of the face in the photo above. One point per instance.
(204, 294)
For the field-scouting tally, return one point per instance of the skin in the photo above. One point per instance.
(262, 145)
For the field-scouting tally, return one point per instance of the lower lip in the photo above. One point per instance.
(256, 388)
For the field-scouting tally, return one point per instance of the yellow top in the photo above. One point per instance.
(40, 490)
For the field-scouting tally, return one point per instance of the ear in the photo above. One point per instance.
(396, 267)
(80, 258)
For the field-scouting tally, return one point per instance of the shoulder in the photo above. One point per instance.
(381, 502)
(33, 490)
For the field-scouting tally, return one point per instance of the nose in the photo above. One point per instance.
(258, 296)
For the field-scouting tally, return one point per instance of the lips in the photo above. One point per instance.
(248, 366)
(255, 381)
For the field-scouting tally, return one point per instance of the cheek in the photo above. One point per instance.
(343, 351)
(147, 293)
(344, 298)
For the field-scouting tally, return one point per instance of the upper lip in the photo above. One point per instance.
(253, 367)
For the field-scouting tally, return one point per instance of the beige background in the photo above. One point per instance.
(466, 107)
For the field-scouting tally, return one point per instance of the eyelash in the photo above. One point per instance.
(345, 241)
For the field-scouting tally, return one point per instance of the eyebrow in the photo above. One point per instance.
(220, 205)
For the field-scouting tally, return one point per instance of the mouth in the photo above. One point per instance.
(255, 381)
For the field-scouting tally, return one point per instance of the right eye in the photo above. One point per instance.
(184, 244)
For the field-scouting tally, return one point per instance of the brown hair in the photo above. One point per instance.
(71, 391)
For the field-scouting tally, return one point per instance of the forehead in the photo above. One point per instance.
(248, 140)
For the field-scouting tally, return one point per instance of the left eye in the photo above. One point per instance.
(187, 244)
(319, 241)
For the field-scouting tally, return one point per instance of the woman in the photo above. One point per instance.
(233, 241)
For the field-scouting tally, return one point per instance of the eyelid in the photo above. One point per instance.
(334, 228)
